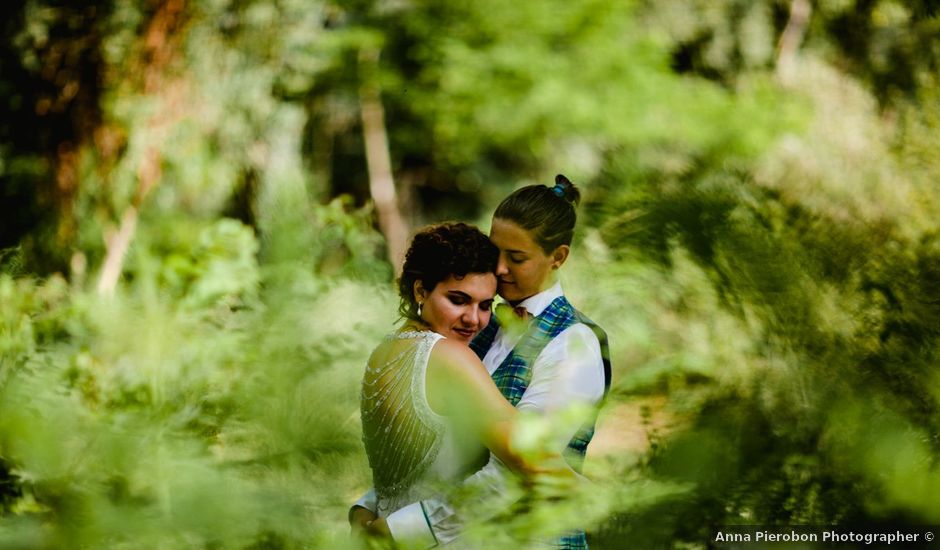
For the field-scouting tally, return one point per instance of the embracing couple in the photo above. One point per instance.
(448, 384)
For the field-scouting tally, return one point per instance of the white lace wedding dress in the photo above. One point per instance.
(414, 452)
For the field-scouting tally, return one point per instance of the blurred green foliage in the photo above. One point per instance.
(758, 237)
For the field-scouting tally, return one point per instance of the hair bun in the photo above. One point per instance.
(566, 190)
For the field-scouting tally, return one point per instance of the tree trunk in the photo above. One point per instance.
(791, 38)
(160, 45)
(378, 158)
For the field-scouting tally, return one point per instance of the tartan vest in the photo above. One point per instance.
(513, 375)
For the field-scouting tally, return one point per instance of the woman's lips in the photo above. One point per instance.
(466, 333)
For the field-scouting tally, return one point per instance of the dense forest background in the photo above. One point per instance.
(202, 204)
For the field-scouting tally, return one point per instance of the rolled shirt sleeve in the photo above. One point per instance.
(437, 521)
(368, 501)
(410, 525)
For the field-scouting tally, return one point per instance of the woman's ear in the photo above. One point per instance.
(419, 292)
(560, 256)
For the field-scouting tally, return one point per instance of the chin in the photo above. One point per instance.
(507, 292)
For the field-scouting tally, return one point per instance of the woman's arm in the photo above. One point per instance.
(458, 386)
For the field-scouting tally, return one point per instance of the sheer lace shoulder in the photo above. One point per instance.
(401, 433)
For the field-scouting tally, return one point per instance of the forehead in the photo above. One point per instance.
(508, 235)
(481, 286)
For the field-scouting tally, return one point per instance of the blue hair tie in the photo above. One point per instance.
(558, 190)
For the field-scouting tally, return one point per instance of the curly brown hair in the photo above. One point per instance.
(440, 251)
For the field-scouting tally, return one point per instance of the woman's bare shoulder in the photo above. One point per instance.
(450, 354)
(454, 372)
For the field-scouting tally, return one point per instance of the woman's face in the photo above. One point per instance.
(524, 269)
(458, 308)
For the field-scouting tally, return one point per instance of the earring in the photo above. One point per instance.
(419, 309)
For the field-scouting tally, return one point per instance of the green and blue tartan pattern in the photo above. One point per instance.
(513, 375)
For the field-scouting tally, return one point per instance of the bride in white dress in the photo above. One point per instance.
(429, 407)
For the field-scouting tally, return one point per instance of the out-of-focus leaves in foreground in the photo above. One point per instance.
(191, 278)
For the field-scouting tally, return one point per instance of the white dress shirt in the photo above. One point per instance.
(568, 371)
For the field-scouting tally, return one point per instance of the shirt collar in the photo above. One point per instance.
(536, 304)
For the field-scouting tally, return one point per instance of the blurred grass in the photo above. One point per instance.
(196, 408)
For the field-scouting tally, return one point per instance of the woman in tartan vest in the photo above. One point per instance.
(544, 355)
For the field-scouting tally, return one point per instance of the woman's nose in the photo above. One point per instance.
(472, 316)
(501, 268)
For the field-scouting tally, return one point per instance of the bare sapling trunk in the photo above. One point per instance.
(378, 158)
(791, 38)
(160, 45)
